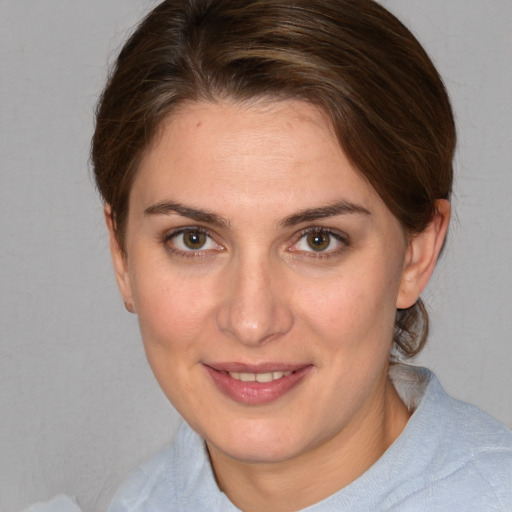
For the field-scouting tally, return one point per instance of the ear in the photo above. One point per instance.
(421, 256)
(120, 263)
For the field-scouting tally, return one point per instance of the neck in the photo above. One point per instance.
(302, 481)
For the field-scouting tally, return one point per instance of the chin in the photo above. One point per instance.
(257, 441)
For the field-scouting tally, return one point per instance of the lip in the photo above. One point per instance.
(256, 393)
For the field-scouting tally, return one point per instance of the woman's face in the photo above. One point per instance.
(266, 274)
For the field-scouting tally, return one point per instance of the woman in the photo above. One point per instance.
(276, 177)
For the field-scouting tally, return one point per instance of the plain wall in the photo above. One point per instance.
(79, 407)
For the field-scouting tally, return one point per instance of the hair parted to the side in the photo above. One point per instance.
(351, 58)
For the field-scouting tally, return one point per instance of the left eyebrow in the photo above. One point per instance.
(339, 208)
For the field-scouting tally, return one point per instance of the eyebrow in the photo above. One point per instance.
(310, 214)
(170, 207)
(338, 208)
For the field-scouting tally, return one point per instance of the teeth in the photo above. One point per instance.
(265, 377)
(258, 377)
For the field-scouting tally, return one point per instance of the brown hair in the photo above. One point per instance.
(351, 58)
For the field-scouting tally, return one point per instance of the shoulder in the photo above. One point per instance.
(145, 484)
(167, 480)
(469, 432)
(465, 454)
(451, 422)
(478, 449)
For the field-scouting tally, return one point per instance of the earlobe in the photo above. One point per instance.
(422, 255)
(119, 262)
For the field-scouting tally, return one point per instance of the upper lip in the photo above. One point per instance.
(255, 368)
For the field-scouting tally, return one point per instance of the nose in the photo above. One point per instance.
(255, 308)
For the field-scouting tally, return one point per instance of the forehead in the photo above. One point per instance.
(265, 155)
(229, 131)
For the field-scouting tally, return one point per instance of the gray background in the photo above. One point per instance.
(79, 407)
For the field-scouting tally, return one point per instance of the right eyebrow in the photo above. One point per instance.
(170, 207)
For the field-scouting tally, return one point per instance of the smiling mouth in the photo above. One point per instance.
(258, 377)
(264, 384)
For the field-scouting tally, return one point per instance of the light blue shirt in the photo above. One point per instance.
(450, 457)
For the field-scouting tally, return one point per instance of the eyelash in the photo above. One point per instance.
(170, 235)
(339, 237)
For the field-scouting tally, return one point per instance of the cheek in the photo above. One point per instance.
(172, 311)
(174, 316)
(356, 309)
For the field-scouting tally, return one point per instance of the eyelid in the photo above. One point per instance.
(169, 235)
(341, 237)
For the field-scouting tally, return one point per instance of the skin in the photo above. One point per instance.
(258, 292)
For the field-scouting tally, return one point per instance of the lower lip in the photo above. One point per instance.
(256, 393)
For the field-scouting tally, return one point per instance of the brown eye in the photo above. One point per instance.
(318, 241)
(191, 241)
(194, 240)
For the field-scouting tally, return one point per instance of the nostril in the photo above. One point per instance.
(254, 324)
(254, 309)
